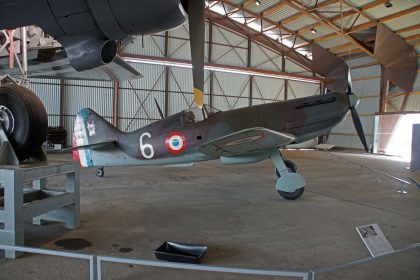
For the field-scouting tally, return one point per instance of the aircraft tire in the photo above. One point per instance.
(292, 167)
(100, 172)
(24, 119)
(293, 195)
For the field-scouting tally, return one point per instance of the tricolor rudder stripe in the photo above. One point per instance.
(80, 138)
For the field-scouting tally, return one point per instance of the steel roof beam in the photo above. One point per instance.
(324, 21)
(230, 24)
(407, 29)
(271, 10)
(323, 5)
(278, 25)
(227, 68)
(268, 11)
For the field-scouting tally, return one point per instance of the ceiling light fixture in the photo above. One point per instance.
(313, 30)
(388, 4)
(258, 2)
(225, 69)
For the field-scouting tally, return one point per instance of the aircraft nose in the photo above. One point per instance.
(354, 100)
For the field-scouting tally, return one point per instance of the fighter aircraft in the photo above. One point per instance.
(240, 136)
(90, 32)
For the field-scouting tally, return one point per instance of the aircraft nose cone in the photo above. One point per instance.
(354, 100)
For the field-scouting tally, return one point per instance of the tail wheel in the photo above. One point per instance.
(100, 172)
(292, 167)
(23, 118)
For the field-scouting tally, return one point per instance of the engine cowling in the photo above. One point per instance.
(86, 52)
(122, 18)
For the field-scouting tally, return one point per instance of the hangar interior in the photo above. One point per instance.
(256, 52)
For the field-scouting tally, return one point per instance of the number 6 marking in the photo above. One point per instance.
(146, 147)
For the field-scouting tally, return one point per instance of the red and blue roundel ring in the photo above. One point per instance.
(176, 142)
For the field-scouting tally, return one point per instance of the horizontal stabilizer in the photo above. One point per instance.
(97, 146)
(248, 141)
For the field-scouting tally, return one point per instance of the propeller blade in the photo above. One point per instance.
(349, 84)
(359, 128)
(197, 31)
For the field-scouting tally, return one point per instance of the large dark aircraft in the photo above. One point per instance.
(238, 136)
(90, 32)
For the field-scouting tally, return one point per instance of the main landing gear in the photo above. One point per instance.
(24, 120)
(290, 184)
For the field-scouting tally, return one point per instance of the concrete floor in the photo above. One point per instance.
(238, 214)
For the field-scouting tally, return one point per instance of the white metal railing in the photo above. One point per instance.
(220, 269)
(354, 263)
(402, 182)
(100, 260)
(90, 258)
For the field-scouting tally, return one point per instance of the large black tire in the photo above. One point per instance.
(290, 195)
(27, 120)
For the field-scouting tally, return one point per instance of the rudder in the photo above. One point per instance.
(91, 130)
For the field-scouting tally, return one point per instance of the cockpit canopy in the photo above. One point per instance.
(197, 115)
(193, 115)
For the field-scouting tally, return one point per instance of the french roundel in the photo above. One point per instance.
(176, 142)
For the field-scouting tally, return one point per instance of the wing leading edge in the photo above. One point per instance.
(249, 141)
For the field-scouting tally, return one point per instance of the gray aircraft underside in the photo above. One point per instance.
(90, 29)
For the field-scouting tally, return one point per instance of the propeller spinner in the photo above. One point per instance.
(353, 100)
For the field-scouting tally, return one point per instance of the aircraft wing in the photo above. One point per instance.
(52, 63)
(248, 141)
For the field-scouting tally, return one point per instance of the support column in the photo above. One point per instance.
(286, 82)
(167, 75)
(383, 91)
(13, 234)
(62, 102)
(249, 64)
(71, 213)
(115, 101)
(24, 51)
(210, 60)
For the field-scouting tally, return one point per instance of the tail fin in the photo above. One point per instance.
(91, 131)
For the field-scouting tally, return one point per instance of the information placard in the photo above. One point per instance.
(374, 240)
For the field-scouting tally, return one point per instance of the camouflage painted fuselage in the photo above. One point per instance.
(177, 140)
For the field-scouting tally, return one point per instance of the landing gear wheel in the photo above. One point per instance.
(100, 172)
(23, 118)
(291, 166)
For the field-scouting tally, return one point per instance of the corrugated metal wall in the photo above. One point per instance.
(136, 105)
(49, 93)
